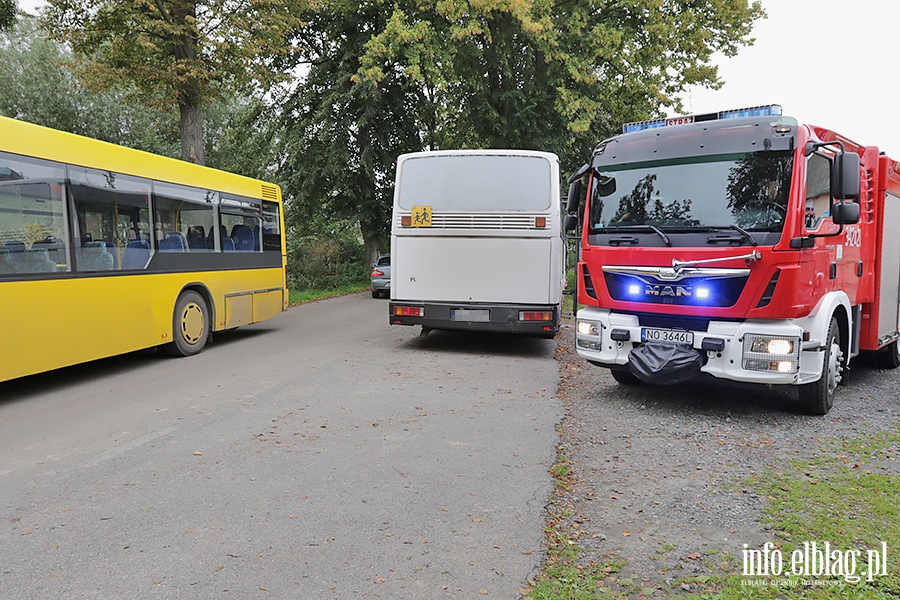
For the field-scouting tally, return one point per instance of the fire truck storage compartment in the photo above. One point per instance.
(890, 270)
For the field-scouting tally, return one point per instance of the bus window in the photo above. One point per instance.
(33, 237)
(240, 219)
(113, 217)
(185, 216)
(271, 229)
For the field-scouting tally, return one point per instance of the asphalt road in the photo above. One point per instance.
(322, 454)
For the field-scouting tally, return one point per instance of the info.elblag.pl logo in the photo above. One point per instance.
(814, 561)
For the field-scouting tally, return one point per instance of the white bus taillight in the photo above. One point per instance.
(535, 315)
(409, 311)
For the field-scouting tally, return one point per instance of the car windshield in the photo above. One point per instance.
(747, 191)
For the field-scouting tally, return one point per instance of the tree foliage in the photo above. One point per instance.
(8, 11)
(341, 138)
(179, 52)
(534, 74)
(38, 84)
(556, 76)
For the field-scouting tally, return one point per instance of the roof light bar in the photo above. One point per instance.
(753, 111)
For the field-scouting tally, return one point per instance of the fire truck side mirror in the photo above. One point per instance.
(846, 172)
(571, 222)
(574, 196)
(845, 213)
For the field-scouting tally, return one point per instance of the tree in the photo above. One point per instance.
(180, 53)
(558, 76)
(341, 138)
(38, 84)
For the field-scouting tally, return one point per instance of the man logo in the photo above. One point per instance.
(673, 291)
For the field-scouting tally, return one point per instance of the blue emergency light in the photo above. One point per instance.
(769, 110)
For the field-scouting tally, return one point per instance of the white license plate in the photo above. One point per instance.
(477, 315)
(672, 336)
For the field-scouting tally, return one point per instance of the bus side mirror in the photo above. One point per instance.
(574, 196)
(571, 222)
(846, 172)
(845, 213)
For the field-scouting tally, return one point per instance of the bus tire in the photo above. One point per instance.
(190, 325)
(817, 398)
(889, 356)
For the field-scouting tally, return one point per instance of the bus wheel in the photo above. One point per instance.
(190, 325)
(889, 356)
(818, 397)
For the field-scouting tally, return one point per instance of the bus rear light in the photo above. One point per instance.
(409, 311)
(406, 220)
(535, 315)
(540, 222)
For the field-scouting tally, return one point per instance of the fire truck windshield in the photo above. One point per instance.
(749, 191)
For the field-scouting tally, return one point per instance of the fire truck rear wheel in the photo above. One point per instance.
(818, 397)
(889, 356)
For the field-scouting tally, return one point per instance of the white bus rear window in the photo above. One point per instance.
(475, 183)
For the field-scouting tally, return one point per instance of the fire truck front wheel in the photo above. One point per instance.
(625, 377)
(818, 397)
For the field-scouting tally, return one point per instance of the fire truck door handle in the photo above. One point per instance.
(832, 271)
(859, 269)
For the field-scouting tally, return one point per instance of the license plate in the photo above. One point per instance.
(478, 315)
(671, 336)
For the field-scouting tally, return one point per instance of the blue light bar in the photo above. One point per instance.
(753, 111)
(642, 125)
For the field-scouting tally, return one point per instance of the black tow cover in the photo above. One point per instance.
(660, 363)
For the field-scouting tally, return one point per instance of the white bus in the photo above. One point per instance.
(477, 241)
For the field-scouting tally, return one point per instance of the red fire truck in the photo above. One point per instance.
(742, 245)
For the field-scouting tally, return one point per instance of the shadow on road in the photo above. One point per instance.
(472, 342)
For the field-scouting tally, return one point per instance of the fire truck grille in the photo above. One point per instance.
(674, 322)
(688, 291)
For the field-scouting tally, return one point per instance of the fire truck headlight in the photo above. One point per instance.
(588, 328)
(772, 346)
(771, 353)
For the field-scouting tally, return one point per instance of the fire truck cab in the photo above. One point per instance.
(742, 245)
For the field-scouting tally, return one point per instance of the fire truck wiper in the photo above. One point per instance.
(744, 233)
(681, 264)
(655, 230)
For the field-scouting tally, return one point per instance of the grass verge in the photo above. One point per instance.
(302, 296)
(844, 494)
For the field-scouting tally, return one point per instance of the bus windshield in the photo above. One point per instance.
(748, 190)
(475, 183)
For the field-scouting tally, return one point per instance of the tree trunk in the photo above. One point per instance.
(370, 243)
(192, 134)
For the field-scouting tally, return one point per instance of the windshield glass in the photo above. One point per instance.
(472, 182)
(749, 191)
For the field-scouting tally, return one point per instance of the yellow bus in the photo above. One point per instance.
(106, 250)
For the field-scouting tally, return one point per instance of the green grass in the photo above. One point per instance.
(301, 296)
(841, 494)
(838, 495)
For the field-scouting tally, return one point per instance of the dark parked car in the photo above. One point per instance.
(381, 276)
